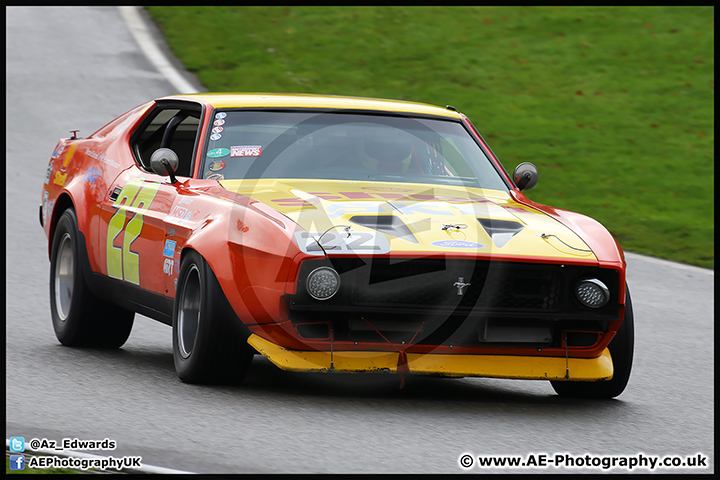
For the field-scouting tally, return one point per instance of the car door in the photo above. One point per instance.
(142, 248)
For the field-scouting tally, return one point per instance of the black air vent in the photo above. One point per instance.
(388, 224)
(501, 231)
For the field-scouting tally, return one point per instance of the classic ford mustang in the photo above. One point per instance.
(328, 234)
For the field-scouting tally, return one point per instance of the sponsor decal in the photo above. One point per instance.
(185, 201)
(92, 174)
(216, 165)
(57, 151)
(60, 178)
(246, 151)
(217, 130)
(216, 176)
(101, 157)
(215, 137)
(457, 244)
(61, 175)
(217, 123)
(342, 242)
(220, 115)
(218, 152)
(48, 174)
(423, 208)
(46, 197)
(168, 266)
(179, 215)
(169, 250)
(410, 202)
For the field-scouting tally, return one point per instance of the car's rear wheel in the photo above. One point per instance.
(621, 350)
(80, 319)
(209, 340)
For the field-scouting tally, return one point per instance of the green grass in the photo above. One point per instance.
(614, 105)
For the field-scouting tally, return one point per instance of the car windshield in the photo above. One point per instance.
(267, 144)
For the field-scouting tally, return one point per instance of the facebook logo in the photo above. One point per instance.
(17, 444)
(17, 462)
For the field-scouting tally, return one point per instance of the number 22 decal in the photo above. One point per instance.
(335, 242)
(123, 263)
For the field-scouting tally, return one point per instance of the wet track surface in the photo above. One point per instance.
(77, 68)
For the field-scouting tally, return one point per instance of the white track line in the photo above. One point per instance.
(669, 263)
(142, 35)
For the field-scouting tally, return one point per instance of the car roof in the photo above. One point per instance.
(276, 100)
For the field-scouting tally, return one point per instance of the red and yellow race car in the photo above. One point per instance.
(328, 234)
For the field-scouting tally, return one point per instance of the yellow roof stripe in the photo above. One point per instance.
(275, 100)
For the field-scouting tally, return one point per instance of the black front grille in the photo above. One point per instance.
(398, 296)
(431, 282)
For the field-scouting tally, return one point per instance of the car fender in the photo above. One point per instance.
(251, 255)
(63, 187)
(593, 233)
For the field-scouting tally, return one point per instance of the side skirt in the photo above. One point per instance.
(158, 307)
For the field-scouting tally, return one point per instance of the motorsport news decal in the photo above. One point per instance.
(44, 445)
(566, 460)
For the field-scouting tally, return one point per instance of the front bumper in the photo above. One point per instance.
(497, 366)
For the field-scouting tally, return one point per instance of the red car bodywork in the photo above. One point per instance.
(134, 253)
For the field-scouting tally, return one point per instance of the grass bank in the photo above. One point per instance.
(614, 105)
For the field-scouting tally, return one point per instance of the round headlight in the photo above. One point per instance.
(592, 293)
(323, 283)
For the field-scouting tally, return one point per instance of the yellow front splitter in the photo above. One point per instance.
(497, 366)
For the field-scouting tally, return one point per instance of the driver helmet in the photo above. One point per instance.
(386, 153)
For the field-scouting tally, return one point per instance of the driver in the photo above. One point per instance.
(385, 153)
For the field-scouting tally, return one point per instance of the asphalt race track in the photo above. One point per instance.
(78, 68)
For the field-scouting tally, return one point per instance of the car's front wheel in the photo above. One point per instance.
(621, 350)
(80, 319)
(209, 341)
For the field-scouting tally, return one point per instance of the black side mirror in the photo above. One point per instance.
(164, 162)
(525, 176)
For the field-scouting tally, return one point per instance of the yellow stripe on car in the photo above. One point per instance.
(498, 366)
(319, 205)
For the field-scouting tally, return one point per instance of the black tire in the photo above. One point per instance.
(209, 340)
(80, 319)
(621, 349)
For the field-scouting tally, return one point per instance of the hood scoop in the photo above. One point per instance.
(501, 231)
(388, 224)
